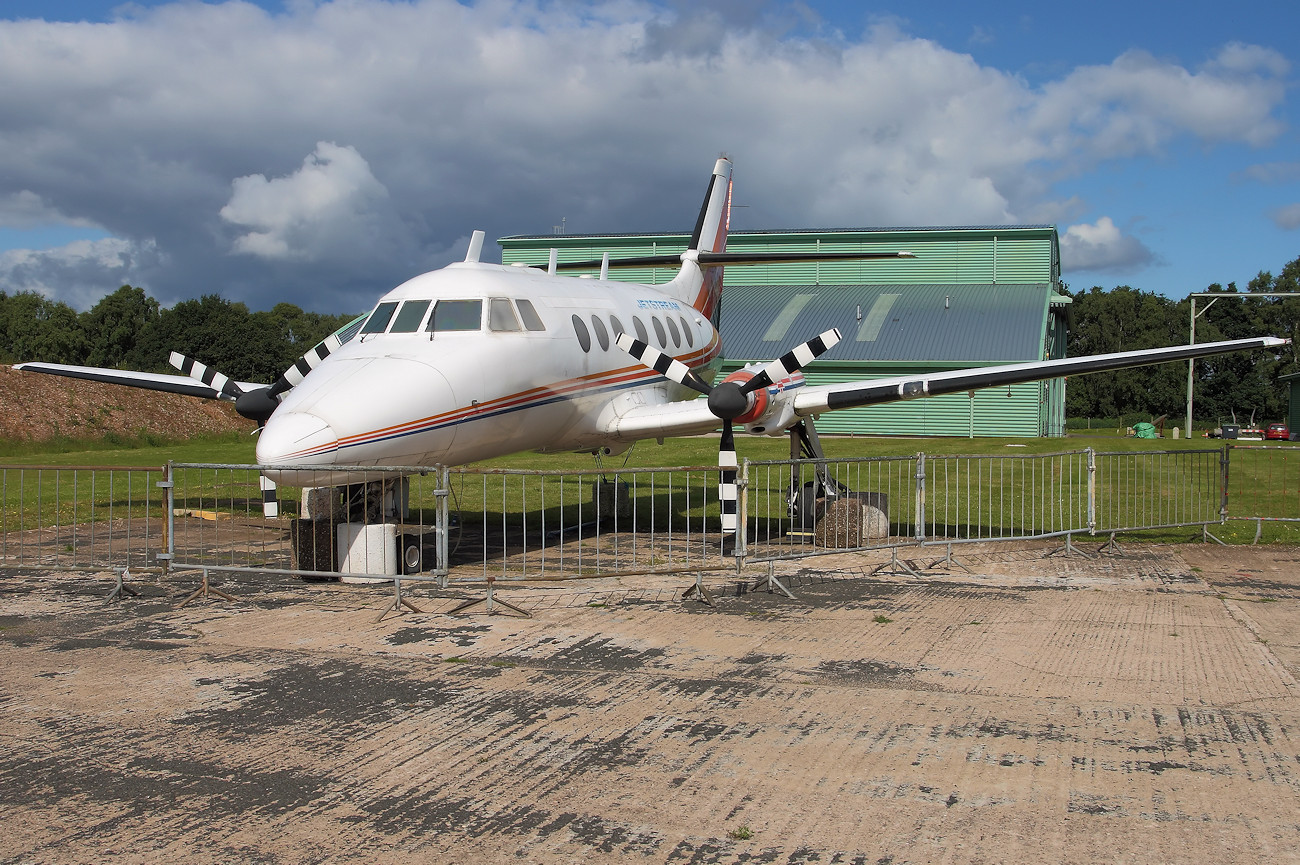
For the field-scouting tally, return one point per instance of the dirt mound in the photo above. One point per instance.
(37, 407)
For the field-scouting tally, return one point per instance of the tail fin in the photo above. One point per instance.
(702, 288)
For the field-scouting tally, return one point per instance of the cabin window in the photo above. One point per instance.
(409, 316)
(378, 321)
(501, 315)
(686, 332)
(602, 335)
(677, 334)
(659, 331)
(456, 315)
(584, 338)
(640, 330)
(532, 320)
(615, 326)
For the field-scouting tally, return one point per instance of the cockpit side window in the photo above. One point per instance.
(532, 320)
(456, 315)
(378, 321)
(409, 316)
(501, 315)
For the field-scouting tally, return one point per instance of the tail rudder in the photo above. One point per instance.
(702, 288)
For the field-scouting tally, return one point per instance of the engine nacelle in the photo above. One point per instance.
(771, 411)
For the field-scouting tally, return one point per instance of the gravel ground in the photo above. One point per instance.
(1135, 707)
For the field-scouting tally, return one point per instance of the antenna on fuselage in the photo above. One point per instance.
(475, 247)
(604, 266)
(555, 260)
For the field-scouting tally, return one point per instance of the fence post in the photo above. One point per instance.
(742, 515)
(1092, 491)
(442, 518)
(167, 485)
(1225, 460)
(920, 497)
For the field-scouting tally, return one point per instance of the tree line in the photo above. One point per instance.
(1124, 318)
(129, 330)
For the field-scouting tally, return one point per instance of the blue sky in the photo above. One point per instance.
(319, 153)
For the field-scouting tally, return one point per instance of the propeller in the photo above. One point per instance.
(734, 398)
(258, 404)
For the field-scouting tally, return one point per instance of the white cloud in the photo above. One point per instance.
(1102, 247)
(77, 272)
(333, 203)
(1286, 218)
(188, 123)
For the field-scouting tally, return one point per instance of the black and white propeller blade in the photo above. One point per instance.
(729, 400)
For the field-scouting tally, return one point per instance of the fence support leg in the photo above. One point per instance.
(770, 581)
(700, 588)
(399, 601)
(121, 588)
(1111, 546)
(491, 604)
(948, 561)
(1069, 549)
(205, 590)
(895, 565)
(1207, 535)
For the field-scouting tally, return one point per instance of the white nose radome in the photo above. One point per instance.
(296, 438)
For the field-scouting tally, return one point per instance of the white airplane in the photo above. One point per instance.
(479, 360)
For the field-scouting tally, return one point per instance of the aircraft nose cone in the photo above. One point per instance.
(296, 438)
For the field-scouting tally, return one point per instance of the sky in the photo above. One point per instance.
(320, 153)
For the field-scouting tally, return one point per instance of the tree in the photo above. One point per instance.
(115, 326)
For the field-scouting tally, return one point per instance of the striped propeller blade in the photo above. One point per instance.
(294, 375)
(793, 360)
(666, 365)
(728, 491)
(270, 504)
(206, 374)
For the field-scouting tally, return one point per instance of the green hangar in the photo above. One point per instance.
(972, 296)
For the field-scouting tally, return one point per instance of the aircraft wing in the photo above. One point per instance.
(817, 399)
(181, 384)
(693, 417)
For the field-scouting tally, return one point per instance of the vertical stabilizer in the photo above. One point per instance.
(702, 289)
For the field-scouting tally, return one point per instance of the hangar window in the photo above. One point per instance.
(532, 320)
(640, 330)
(456, 315)
(659, 331)
(584, 338)
(378, 321)
(602, 335)
(409, 316)
(501, 315)
(686, 332)
(677, 334)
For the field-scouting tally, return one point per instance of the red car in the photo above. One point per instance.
(1277, 431)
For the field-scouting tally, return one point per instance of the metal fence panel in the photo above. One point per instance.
(1005, 497)
(1158, 489)
(81, 516)
(797, 508)
(519, 524)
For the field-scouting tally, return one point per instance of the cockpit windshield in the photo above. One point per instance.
(456, 315)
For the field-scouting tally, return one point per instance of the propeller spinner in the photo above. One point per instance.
(729, 400)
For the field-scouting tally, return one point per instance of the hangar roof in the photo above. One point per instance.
(899, 323)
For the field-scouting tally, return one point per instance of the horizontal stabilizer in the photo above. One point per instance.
(719, 259)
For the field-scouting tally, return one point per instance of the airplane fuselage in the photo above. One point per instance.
(475, 360)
